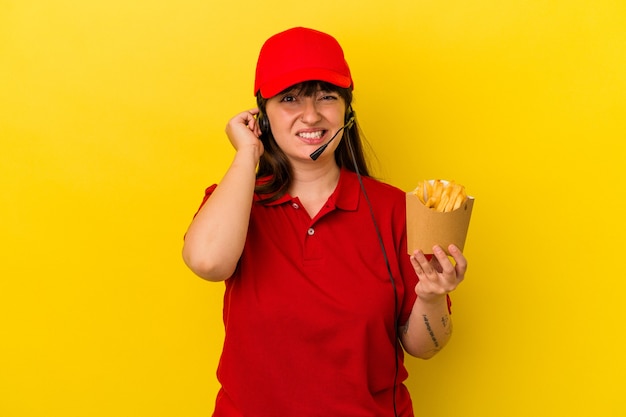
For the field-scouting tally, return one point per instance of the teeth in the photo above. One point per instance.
(311, 135)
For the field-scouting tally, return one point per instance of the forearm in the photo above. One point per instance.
(215, 239)
(428, 329)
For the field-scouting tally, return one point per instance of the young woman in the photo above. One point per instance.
(321, 298)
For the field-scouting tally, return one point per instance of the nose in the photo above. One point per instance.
(310, 113)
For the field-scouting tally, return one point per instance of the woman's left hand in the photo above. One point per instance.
(438, 275)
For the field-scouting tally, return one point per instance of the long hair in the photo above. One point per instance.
(275, 171)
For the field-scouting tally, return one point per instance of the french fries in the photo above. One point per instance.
(444, 196)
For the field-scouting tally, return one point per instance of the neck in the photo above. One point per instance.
(315, 181)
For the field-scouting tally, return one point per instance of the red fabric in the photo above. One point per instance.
(309, 312)
(297, 55)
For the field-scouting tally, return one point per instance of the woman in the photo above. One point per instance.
(319, 289)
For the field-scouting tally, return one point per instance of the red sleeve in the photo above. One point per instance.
(207, 194)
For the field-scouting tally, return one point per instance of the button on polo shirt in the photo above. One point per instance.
(309, 312)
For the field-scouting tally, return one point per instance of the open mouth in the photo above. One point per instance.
(312, 137)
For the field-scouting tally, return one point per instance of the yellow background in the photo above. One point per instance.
(111, 125)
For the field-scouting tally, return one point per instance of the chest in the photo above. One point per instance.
(312, 206)
(332, 263)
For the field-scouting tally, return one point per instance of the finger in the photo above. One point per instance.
(416, 266)
(254, 123)
(422, 265)
(443, 260)
(243, 118)
(459, 259)
(250, 123)
(257, 130)
(249, 118)
(420, 258)
(415, 260)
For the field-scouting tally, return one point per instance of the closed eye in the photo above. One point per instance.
(328, 97)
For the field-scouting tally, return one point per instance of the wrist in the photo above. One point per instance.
(248, 153)
(436, 302)
(432, 299)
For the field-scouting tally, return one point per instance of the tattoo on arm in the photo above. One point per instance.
(446, 322)
(430, 331)
(405, 329)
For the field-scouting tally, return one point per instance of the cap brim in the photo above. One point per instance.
(272, 87)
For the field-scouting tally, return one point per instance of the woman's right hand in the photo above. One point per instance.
(216, 237)
(243, 132)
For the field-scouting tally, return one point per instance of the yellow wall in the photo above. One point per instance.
(111, 125)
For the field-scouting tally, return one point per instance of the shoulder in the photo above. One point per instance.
(383, 189)
(379, 193)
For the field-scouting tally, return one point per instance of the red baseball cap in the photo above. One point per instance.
(297, 55)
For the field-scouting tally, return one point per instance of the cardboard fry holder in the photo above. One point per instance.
(427, 227)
